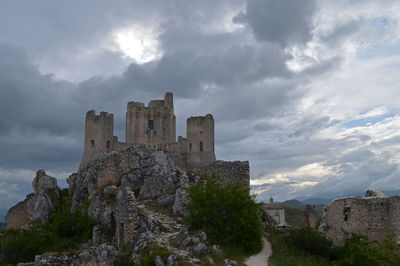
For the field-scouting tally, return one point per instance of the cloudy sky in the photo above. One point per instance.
(307, 91)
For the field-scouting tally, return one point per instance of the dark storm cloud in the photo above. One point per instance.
(285, 21)
(238, 72)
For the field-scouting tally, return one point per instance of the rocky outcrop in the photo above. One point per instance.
(375, 216)
(37, 206)
(103, 255)
(138, 198)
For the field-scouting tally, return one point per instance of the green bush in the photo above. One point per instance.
(228, 214)
(306, 247)
(310, 241)
(64, 231)
(150, 258)
(357, 250)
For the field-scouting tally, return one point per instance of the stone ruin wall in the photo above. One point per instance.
(229, 172)
(17, 216)
(375, 217)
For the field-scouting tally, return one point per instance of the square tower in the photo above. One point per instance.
(155, 124)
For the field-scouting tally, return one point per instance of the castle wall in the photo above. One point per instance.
(155, 124)
(228, 172)
(200, 140)
(374, 217)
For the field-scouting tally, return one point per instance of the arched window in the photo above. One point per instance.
(201, 146)
(92, 142)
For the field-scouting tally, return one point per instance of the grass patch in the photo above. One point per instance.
(284, 253)
(304, 246)
(148, 260)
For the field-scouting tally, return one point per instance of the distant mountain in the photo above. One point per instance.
(293, 203)
(317, 201)
(3, 213)
(294, 217)
(301, 205)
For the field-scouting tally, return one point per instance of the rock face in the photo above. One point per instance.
(37, 206)
(373, 216)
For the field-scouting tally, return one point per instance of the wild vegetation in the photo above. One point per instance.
(228, 214)
(305, 246)
(64, 232)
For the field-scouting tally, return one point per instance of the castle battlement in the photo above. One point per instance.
(151, 125)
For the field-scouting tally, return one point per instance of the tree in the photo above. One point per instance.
(227, 213)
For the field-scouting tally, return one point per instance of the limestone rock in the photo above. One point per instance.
(37, 206)
(180, 200)
(200, 249)
(42, 182)
(172, 260)
(228, 262)
(203, 236)
(375, 193)
(158, 261)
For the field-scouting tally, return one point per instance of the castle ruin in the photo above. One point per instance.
(154, 125)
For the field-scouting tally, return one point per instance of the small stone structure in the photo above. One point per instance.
(37, 206)
(375, 216)
(276, 211)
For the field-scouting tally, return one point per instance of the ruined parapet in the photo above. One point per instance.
(154, 124)
(200, 140)
(375, 217)
(99, 135)
(310, 216)
(229, 172)
(37, 206)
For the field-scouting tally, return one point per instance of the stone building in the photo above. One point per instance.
(276, 211)
(375, 216)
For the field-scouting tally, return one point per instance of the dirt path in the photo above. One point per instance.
(260, 259)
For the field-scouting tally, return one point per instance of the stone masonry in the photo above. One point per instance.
(155, 126)
(375, 216)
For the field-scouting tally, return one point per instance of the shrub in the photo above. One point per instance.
(312, 242)
(228, 214)
(358, 250)
(64, 231)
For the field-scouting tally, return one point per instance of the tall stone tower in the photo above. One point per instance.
(99, 132)
(200, 140)
(154, 124)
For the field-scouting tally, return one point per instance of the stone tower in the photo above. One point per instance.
(200, 140)
(154, 124)
(99, 132)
